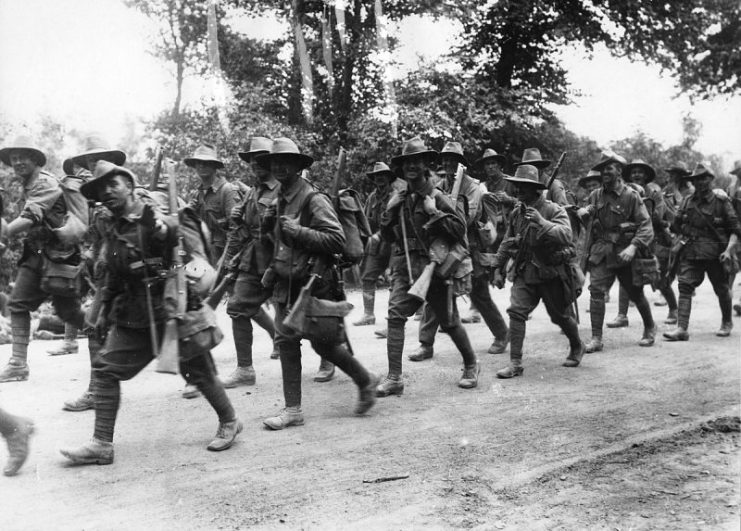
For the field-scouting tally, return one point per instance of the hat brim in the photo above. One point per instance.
(540, 164)
(248, 155)
(649, 169)
(457, 156)
(265, 160)
(430, 153)
(501, 159)
(736, 172)
(705, 173)
(387, 173)
(582, 180)
(515, 180)
(114, 156)
(191, 162)
(37, 154)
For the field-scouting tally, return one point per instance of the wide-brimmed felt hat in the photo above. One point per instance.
(94, 144)
(26, 144)
(413, 147)
(105, 170)
(736, 169)
(455, 150)
(532, 157)
(380, 168)
(204, 153)
(701, 170)
(593, 175)
(489, 153)
(608, 157)
(526, 174)
(640, 163)
(283, 147)
(259, 145)
(680, 168)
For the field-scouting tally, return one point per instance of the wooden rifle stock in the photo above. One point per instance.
(214, 298)
(422, 284)
(297, 316)
(169, 358)
(158, 156)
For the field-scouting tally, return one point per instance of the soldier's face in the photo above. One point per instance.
(381, 181)
(449, 164)
(610, 174)
(639, 176)
(702, 184)
(492, 168)
(261, 173)
(205, 170)
(591, 185)
(115, 192)
(91, 161)
(527, 193)
(23, 163)
(415, 167)
(285, 169)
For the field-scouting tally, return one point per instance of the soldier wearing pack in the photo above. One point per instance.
(307, 235)
(470, 195)
(539, 241)
(138, 248)
(620, 228)
(557, 191)
(422, 221)
(247, 257)
(378, 250)
(734, 192)
(50, 263)
(642, 174)
(709, 228)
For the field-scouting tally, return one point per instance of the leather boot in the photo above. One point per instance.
(671, 318)
(15, 371)
(81, 403)
(620, 321)
(290, 416)
(499, 345)
(369, 301)
(325, 372)
(470, 378)
(381, 334)
(423, 352)
(67, 347)
(648, 338)
(390, 386)
(96, 452)
(393, 384)
(190, 391)
(683, 319)
(514, 369)
(678, 334)
(366, 320)
(594, 345)
(240, 376)
(225, 435)
(367, 396)
(725, 329)
(576, 353)
(18, 442)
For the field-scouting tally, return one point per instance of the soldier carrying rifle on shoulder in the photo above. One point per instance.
(424, 222)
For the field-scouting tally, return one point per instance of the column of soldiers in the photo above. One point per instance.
(441, 235)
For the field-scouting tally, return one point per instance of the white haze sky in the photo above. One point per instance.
(85, 63)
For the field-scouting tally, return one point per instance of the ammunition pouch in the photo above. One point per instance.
(487, 233)
(449, 265)
(645, 271)
(198, 332)
(321, 320)
(291, 263)
(61, 279)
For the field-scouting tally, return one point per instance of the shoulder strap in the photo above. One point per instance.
(707, 223)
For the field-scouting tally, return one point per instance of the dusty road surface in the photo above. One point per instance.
(629, 440)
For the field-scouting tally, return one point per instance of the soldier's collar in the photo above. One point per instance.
(217, 183)
(620, 186)
(706, 197)
(136, 212)
(269, 184)
(289, 194)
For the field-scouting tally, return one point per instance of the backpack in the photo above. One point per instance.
(76, 220)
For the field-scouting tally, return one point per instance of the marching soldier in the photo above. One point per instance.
(471, 195)
(620, 228)
(642, 174)
(419, 222)
(709, 227)
(307, 235)
(734, 192)
(139, 246)
(378, 250)
(247, 257)
(216, 196)
(44, 249)
(539, 239)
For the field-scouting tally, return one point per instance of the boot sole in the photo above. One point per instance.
(19, 378)
(210, 448)
(419, 358)
(237, 384)
(282, 427)
(510, 375)
(86, 461)
(384, 394)
(322, 379)
(611, 325)
(65, 407)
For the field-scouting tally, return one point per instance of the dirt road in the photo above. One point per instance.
(491, 458)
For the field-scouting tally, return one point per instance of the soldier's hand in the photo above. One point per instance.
(235, 216)
(583, 212)
(289, 226)
(429, 205)
(498, 279)
(533, 216)
(725, 256)
(627, 254)
(396, 199)
(148, 219)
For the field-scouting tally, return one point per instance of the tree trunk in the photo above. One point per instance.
(327, 53)
(307, 81)
(388, 84)
(179, 75)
